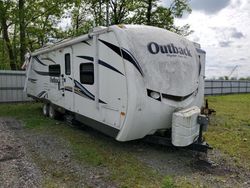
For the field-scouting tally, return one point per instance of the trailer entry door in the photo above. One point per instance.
(67, 77)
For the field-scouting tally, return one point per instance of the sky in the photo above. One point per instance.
(222, 28)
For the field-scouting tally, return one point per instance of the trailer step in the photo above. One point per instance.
(71, 121)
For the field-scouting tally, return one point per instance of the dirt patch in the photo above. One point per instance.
(16, 168)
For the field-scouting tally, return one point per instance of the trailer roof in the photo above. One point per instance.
(96, 30)
(70, 41)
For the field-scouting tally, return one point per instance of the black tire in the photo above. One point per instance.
(53, 114)
(45, 109)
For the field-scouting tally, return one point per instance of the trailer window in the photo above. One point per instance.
(54, 70)
(67, 64)
(87, 73)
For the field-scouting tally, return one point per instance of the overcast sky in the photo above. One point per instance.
(222, 27)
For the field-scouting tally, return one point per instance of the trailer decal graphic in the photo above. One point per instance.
(168, 49)
(85, 42)
(41, 94)
(82, 91)
(68, 88)
(125, 54)
(41, 73)
(101, 63)
(49, 59)
(85, 92)
(39, 61)
(200, 51)
(32, 80)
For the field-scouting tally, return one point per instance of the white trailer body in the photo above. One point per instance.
(126, 81)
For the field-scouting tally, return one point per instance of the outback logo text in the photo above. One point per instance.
(155, 48)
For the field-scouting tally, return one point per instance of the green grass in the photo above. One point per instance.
(168, 182)
(229, 129)
(125, 169)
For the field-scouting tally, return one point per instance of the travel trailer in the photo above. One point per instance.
(127, 81)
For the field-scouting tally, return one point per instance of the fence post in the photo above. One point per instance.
(212, 87)
(238, 86)
(246, 85)
(221, 87)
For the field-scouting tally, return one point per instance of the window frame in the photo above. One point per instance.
(52, 71)
(67, 64)
(87, 72)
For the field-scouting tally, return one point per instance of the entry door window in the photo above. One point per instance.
(67, 64)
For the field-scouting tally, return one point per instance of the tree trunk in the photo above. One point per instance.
(9, 46)
(22, 31)
(6, 38)
(149, 11)
(14, 45)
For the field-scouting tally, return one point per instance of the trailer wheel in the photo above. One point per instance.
(45, 109)
(52, 112)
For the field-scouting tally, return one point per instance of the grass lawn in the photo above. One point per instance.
(229, 129)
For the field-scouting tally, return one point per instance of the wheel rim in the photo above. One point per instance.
(51, 112)
(45, 109)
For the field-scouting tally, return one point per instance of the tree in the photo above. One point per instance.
(21, 10)
(5, 15)
(147, 12)
(29, 24)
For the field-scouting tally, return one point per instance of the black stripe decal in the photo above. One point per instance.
(125, 54)
(78, 92)
(200, 51)
(85, 92)
(32, 80)
(177, 98)
(109, 66)
(41, 94)
(128, 56)
(49, 59)
(86, 57)
(85, 42)
(39, 61)
(41, 73)
(101, 63)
